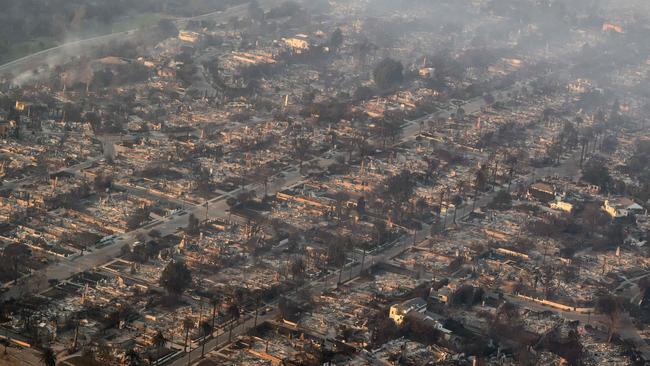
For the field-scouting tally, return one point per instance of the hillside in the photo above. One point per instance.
(28, 26)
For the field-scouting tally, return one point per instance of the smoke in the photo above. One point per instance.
(526, 24)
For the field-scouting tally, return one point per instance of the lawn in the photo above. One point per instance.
(125, 23)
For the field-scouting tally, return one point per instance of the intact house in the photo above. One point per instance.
(300, 42)
(187, 36)
(399, 311)
(561, 205)
(620, 207)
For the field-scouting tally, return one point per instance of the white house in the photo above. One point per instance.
(621, 207)
(300, 42)
(399, 311)
(188, 36)
(561, 204)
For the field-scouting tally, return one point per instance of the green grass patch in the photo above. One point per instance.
(123, 24)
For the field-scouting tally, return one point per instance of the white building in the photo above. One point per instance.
(299, 42)
(621, 207)
(559, 204)
(399, 311)
(188, 36)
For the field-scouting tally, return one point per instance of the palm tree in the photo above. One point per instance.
(456, 201)
(297, 268)
(77, 319)
(507, 312)
(214, 301)
(341, 198)
(258, 300)
(264, 173)
(432, 166)
(48, 357)
(132, 357)
(13, 256)
(4, 319)
(442, 198)
(233, 22)
(206, 329)
(159, 341)
(235, 313)
(188, 324)
(301, 147)
(611, 306)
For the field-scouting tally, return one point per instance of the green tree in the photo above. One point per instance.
(502, 201)
(48, 357)
(611, 306)
(235, 313)
(206, 330)
(596, 172)
(188, 324)
(341, 198)
(639, 164)
(507, 313)
(297, 268)
(363, 92)
(176, 278)
(397, 190)
(456, 201)
(302, 147)
(133, 357)
(137, 218)
(481, 179)
(336, 39)
(255, 11)
(193, 225)
(159, 342)
(388, 73)
(609, 144)
(13, 256)
(336, 252)
(167, 28)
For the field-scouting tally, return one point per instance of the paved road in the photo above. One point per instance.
(624, 327)
(221, 337)
(315, 287)
(217, 208)
(62, 53)
(74, 169)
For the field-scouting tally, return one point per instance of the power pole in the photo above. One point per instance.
(257, 307)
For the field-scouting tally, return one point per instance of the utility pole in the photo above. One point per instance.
(512, 170)
(257, 307)
(351, 265)
(475, 197)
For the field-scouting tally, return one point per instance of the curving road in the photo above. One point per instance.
(62, 53)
